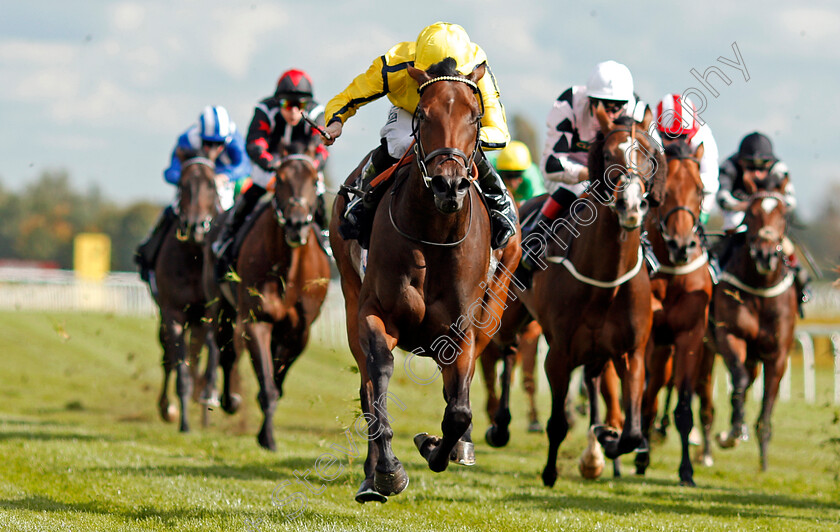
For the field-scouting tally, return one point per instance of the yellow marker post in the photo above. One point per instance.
(92, 256)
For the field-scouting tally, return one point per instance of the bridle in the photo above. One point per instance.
(292, 200)
(184, 235)
(450, 154)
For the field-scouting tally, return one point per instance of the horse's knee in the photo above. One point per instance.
(267, 399)
(763, 430)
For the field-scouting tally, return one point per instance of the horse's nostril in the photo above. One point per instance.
(463, 184)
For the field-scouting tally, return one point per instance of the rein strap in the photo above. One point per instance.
(594, 282)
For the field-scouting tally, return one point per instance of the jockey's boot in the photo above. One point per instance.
(651, 261)
(801, 280)
(323, 231)
(503, 215)
(554, 207)
(358, 214)
(147, 250)
(241, 208)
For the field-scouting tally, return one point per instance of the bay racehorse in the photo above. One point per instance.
(755, 307)
(591, 294)
(279, 283)
(176, 281)
(681, 291)
(432, 285)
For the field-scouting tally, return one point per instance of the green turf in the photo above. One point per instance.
(82, 448)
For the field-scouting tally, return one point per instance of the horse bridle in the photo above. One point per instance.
(628, 173)
(766, 232)
(293, 200)
(203, 161)
(451, 154)
(696, 228)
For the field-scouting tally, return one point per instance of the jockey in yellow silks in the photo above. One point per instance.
(388, 76)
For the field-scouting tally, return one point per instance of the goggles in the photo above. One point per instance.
(610, 106)
(288, 103)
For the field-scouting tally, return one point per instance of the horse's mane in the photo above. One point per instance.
(678, 150)
(596, 166)
(447, 67)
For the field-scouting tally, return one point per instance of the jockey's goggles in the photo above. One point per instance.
(510, 175)
(756, 165)
(212, 143)
(610, 106)
(288, 103)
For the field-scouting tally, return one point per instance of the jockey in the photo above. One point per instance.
(521, 176)
(676, 121)
(215, 136)
(278, 120)
(572, 127)
(756, 164)
(388, 76)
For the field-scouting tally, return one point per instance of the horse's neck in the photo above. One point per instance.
(653, 229)
(604, 250)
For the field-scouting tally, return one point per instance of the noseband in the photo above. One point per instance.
(450, 154)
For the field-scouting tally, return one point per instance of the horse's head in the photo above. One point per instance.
(627, 166)
(679, 214)
(295, 197)
(198, 201)
(766, 226)
(446, 126)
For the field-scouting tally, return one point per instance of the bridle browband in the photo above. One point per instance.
(451, 154)
(293, 200)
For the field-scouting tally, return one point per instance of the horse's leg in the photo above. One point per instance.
(704, 386)
(613, 419)
(528, 354)
(688, 348)
(734, 353)
(209, 394)
(228, 356)
(389, 474)
(632, 375)
(258, 337)
(168, 411)
(488, 359)
(498, 434)
(176, 342)
(558, 372)
(665, 421)
(659, 360)
(773, 373)
(196, 332)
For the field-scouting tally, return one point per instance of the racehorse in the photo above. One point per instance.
(681, 291)
(432, 285)
(755, 307)
(281, 276)
(593, 302)
(176, 282)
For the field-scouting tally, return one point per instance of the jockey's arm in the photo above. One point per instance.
(365, 88)
(725, 198)
(494, 132)
(780, 172)
(173, 174)
(239, 166)
(256, 143)
(709, 172)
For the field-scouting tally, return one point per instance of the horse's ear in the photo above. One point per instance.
(418, 75)
(477, 73)
(658, 181)
(647, 120)
(603, 119)
(699, 153)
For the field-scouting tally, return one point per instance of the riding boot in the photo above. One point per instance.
(358, 215)
(554, 207)
(323, 231)
(801, 280)
(651, 261)
(503, 216)
(222, 246)
(147, 250)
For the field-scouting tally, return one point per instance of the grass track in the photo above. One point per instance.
(82, 448)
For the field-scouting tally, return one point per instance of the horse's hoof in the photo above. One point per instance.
(704, 459)
(549, 477)
(535, 426)
(232, 403)
(688, 483)
(591, 471)
(463, 453)
(604, 433)
(642, 463)
(391, 483)
(169, 414)
(210, 399)
(367, 493)
(425, 444)
(266, 442)
(496, 437)
(694, 437)
(726, 440)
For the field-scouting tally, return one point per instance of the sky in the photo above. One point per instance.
(103, 89)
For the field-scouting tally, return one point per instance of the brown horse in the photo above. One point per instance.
(681, 291)
(176, 280)
(432, 284)
(593, 302)
(281, 278)
(755, 307)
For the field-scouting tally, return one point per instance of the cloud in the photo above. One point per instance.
(127, 16)
(240, 34)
